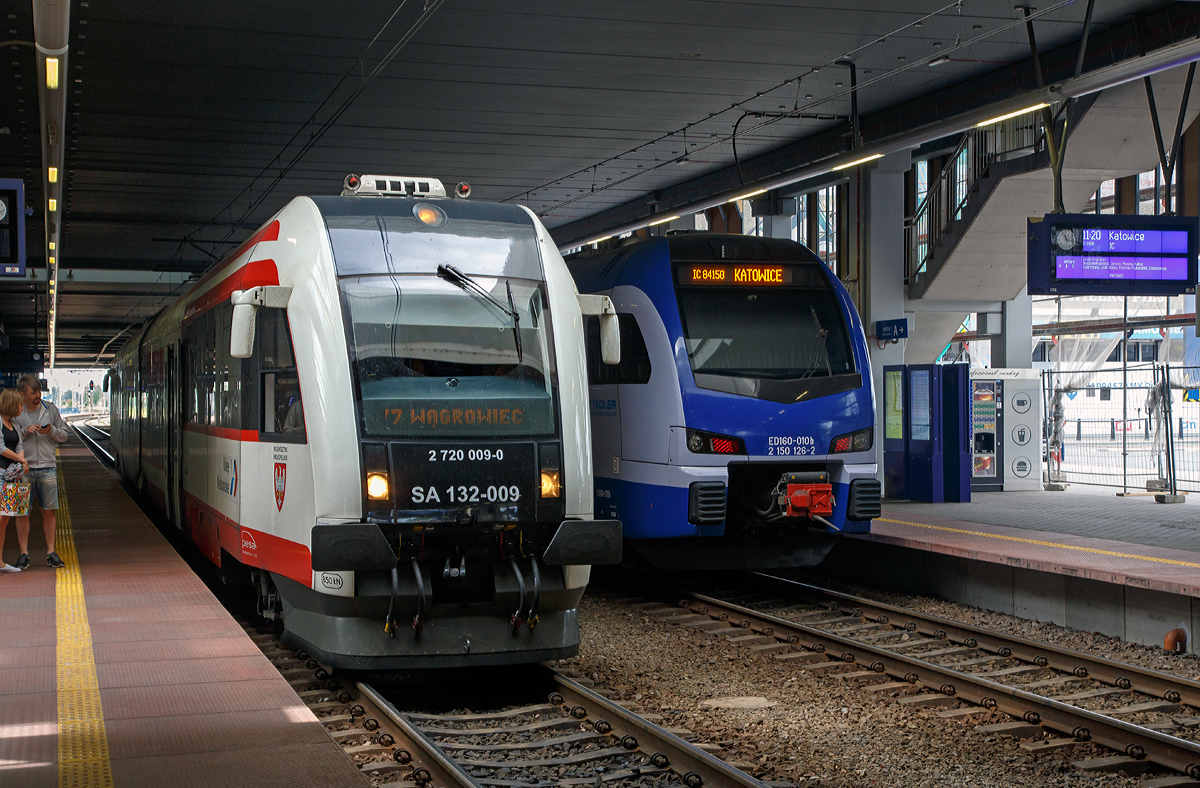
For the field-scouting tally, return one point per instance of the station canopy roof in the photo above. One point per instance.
(189, 124)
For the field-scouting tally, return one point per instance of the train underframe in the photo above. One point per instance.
(773, 515)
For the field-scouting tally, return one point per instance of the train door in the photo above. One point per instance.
(174, 426)
(606, 423)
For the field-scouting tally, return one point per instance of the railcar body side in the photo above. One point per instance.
(261, 460)
(690, 448)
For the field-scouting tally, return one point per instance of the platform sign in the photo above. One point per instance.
(1109, 254)
(12, 227)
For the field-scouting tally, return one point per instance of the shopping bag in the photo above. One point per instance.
(14, 498)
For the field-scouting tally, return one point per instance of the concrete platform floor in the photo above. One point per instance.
(155, 683)
(1082, 558)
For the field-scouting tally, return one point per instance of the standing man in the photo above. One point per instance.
(42, 426)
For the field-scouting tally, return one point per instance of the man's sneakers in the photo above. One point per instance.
(22, 562)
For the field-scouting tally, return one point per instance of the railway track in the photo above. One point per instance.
(1147, 717)
(95, 437)
(562, 734)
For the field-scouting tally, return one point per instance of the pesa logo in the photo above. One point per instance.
(331, 581)
(248, 543)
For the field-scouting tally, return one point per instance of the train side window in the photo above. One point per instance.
(635, 358)
(282, 408)
(592, 343)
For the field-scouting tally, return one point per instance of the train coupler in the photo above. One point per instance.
(807, 494)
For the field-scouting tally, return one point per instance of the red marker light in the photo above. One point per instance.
(724, 446)
(352, 182)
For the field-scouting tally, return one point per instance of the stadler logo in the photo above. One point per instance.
(248, 544)
(331, 581)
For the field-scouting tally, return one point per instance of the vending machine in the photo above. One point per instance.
(1006, 413)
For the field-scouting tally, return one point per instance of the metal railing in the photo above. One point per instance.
(950, 191)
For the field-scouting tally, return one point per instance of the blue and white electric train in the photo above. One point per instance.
(737, 431)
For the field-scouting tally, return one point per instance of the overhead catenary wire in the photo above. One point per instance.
(281, 171)
(768, 121)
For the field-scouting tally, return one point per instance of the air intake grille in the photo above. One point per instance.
(706, 503)
(865, 495)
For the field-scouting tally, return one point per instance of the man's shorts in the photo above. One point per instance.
(43, 484)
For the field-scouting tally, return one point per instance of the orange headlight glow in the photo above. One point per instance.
(429, 214)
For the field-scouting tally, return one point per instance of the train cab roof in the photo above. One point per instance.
(603, 270)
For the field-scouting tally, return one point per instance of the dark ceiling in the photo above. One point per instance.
(190, 124)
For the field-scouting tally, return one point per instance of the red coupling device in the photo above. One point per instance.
(805, 500)
(808, 493)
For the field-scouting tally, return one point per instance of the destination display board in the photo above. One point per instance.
(749, 275)
(1090, 254)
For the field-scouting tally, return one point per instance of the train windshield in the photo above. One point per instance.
(762, 323)
(440, 357)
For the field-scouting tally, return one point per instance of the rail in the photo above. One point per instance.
(569, 727)
(1079, 724)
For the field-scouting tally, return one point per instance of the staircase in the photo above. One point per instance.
(961, 192)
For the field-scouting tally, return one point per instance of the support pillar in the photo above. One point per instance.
(1013, 346)
(873, 262)
(778, 226)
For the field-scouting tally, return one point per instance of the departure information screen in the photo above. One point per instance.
(1120, 254)
(1112, 254)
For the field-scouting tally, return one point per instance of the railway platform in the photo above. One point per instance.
(123, 669)
(1126, 567)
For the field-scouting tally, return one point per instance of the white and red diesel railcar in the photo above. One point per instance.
(378, 406)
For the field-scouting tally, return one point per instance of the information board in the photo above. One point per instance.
(12, 227)
(919, 407)
(1107, 254)
(893, 404)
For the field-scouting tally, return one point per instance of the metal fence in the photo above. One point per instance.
(1136, 428)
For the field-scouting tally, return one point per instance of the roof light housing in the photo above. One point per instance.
(393, 186)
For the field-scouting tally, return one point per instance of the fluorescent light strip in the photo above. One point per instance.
(663, 221)
(1016, 114)
(52, 73)
(857, 162)
(52, 174)
(52, 204)
(747, 196)
(598, 240)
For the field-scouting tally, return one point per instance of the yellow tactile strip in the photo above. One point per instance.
(1041, 543)
(82, 740)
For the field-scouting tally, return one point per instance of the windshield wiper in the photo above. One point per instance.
(824, 348)
(457, 277)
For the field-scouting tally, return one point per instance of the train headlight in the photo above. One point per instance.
(549, 470)
(710, 443)
(377, 486)
(860, 440)
(429, 214)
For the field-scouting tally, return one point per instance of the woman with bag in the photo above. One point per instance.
(12, 467)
